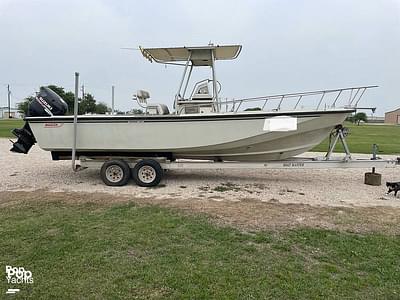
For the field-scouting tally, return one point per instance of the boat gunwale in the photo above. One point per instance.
(187, 117)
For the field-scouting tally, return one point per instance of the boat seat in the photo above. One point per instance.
(141, 97)
(157, 109)
(151, 108)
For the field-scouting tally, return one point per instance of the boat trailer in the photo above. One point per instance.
(148, 171)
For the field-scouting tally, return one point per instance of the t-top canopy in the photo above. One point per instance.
(199, 56)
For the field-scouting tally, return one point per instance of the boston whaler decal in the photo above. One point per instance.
(53, 125)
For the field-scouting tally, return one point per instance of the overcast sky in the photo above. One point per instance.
(288, 46)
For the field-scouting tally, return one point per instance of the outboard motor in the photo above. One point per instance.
(46, 104)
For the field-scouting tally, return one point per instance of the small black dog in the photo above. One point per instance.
(393, 187)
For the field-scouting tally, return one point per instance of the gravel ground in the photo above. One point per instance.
(331, 187)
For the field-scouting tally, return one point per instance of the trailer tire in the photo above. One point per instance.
(147, 173)
(115, 173)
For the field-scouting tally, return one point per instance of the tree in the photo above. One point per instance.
(137, 111)
(68, 97)
(23, 106)
(87, 105)
(101, 108)
(57, 89)
(360, 117)
(118, 112)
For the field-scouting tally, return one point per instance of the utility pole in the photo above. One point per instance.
(9, 101)
(112, 99)
(83, 91)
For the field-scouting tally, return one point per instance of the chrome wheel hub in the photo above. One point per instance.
(147, 174)
(114, 173)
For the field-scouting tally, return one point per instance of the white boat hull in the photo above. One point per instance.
(232, 137)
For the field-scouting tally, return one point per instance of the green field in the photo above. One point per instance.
(360, 139)
(6, 125)
(125, 251)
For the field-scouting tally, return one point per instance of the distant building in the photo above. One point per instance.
(13, 112)
(373, 119)
(393, 117)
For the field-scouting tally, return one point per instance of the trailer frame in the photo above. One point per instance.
(295, 163)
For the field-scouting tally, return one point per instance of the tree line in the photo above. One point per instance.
(86, 105)
(357, 118)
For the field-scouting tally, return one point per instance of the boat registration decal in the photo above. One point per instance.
(280, 123)
(52, 125)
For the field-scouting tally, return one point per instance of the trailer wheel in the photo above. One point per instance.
(147, 172)
(115, 173)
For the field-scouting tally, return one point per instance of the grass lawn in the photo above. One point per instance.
(361, 138)
(125, 251)
(6, 125)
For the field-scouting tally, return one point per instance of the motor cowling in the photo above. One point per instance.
(47, 103)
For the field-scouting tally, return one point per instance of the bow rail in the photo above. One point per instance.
(349, 96)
